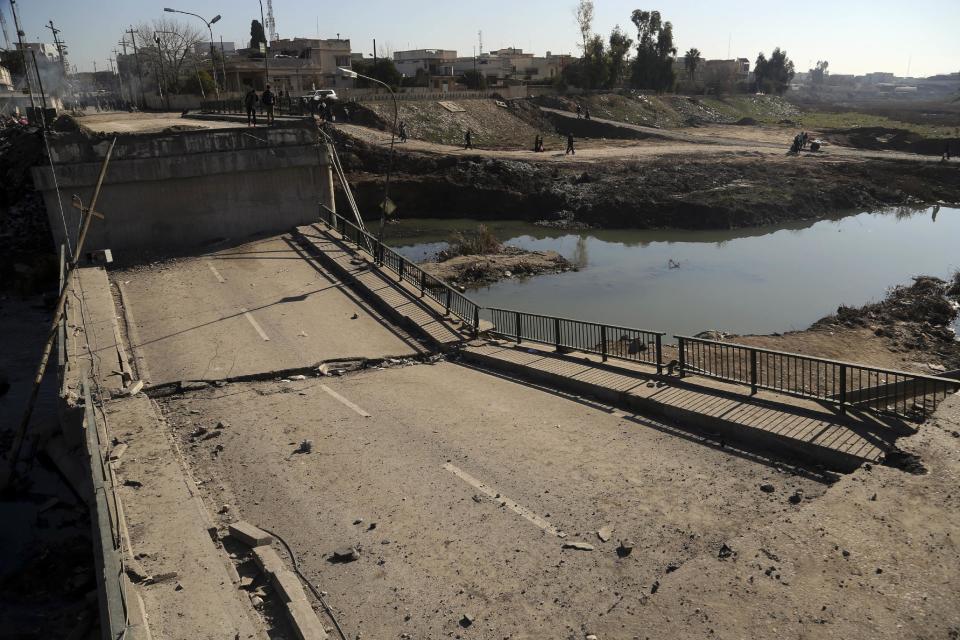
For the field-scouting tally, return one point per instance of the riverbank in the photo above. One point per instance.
(911, 329)
(648, 185)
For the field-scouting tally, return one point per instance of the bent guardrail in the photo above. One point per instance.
(907, 395)
(439, 291)
(605, 340)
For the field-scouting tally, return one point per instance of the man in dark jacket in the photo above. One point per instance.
(250, 102)
(268, 100)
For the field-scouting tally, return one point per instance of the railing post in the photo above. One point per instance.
(519, 331)
(556, 333)
(753, 372)
(843, 388)
(659, 354)
(603, 343)
(423, 282)
(400, 271)
(447, 305)
(681, 357)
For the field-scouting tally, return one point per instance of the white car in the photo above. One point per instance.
(321, 94)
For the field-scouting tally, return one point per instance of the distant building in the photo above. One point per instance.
(878, 76)
(296, 65)
(433, 62)
(203, 48)
(513, 65)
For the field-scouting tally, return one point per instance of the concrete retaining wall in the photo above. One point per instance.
(179, 191)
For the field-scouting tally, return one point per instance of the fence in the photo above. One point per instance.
(907, 395)
(452, 300)
(608, 341)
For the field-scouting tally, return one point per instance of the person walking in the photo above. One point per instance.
(586, 113)
(467, 140)
(403, 131)
(268, 100)
(570, 148)
(250, 101)
(579, 111)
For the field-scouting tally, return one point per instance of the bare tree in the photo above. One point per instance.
(584, 13)
(170, 42)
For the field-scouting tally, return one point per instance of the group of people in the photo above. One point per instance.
(267, 102)
(583, 113)
(800, 143)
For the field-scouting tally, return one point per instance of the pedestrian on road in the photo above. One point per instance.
(946, 152)
(536, 143)
(403, 131)
(268, 100)
(251, 100)
(579, 111)
(467, 140)
(570, 148)
(586, 114)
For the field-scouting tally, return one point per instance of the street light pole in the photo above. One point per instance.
(350, 73)
(213, 51)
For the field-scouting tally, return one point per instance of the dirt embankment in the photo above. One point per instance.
(707, 191)
(508, 262)
(883, 138)
(910, 329)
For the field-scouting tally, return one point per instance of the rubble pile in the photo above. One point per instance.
(27, 259)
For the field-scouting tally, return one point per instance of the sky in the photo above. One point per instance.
(855, 36)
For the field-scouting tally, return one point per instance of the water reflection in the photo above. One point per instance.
(757, 280)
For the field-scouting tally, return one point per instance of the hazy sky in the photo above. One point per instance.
(855, 36)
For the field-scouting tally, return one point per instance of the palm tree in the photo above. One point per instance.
(690, 62)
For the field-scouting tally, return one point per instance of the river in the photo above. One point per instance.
(754, 280)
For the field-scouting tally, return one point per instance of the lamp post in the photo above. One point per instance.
(350, 73)
(213, 64)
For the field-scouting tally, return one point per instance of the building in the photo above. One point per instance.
(432, 62)
(513, 65)
(297, 65)
(203, 48)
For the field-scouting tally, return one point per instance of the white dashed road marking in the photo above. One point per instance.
(216, 273)
(505, 501)
(256, 325)
(339, 397)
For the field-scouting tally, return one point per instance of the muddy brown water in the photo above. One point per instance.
(754, 280)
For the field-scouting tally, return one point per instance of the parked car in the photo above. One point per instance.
(321, 94)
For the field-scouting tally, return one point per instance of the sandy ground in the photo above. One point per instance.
(723, 140)
(124, 122)
(250, 309)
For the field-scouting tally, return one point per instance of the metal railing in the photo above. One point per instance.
(430, 286)
(608, 341)
(907, 395)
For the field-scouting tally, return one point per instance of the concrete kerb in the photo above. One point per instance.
(744, 436)
(306, 625)
(371, 297)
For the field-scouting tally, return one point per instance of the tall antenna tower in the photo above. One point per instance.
(271, 26)
(480, 41)
(6, 35)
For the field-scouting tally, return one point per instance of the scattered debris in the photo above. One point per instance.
(796, 497)
(117, 452)
(725, 552)
(767, 488)
(306, 446)
(298, 377)
(466, 620)
(249, 535)
(605, 533)
(579, 546)
(345, 554)
(136, 484)
(626, 546)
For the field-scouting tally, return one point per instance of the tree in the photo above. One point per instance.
(584, 14)
(473, 79)
(171, 42)
(773, 75)
(818, 74)
(257, 35)
(653, 66)
(383, 70)
(592, 71)
(691, 60)
(620, 44)
(192, 85)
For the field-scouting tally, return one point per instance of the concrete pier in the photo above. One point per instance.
(179, 190)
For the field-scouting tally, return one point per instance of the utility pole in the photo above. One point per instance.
(163, 75)
(61, 47)
(136, 54)
(23, 55)
(36, 69)
(374, 51)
